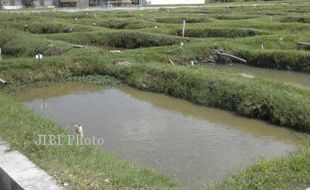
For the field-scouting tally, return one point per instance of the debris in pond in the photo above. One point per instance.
(122, 63)
(79, 130)
(94, 24)
(107, 181)
(245, 75)
(44, 105)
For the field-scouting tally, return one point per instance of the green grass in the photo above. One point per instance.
(277, 103)
(151, 41)
(287, 173)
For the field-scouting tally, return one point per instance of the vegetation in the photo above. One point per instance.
(77, 46)
(286, 173)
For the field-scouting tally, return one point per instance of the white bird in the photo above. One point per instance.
(79, 130)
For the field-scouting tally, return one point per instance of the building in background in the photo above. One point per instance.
(73, 3)
(173, 2)
(11, 4)
(103, 3)
(8, 3)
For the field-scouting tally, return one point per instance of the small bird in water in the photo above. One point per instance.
(79, 130)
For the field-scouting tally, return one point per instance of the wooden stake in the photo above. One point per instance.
(183, 31)
(232, 56)
(171, 61)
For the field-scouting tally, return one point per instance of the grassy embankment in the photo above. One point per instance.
(240, 31)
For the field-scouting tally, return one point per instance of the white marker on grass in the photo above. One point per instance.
(39, 57)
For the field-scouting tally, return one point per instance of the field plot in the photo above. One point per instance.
(253, 61)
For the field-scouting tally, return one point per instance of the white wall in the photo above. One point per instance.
(175, 2)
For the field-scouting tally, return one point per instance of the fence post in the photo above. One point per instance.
(183, 31)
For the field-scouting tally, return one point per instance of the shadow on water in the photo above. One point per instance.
(226, 119)
(195, 145)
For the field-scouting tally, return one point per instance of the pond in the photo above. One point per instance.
(288, 77)
(195, 145)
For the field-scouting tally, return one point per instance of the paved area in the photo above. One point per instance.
(17, 172)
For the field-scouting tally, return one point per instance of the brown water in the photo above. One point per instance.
(197, 146)
(290, 77)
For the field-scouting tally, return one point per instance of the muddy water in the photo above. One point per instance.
(294, 78)
(195, 145)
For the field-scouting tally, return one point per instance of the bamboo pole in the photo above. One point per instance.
(232, 56)
(183, 30)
